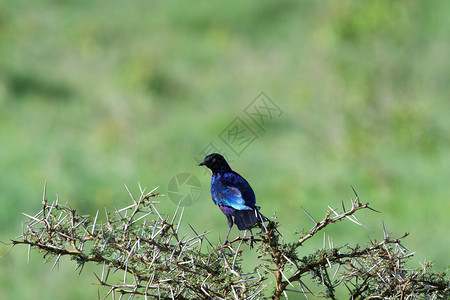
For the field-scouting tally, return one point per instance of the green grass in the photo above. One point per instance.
(93, 94)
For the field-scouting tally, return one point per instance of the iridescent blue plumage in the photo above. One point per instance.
(230, 189)
(232, 193)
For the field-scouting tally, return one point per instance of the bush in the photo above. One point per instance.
(155, 261)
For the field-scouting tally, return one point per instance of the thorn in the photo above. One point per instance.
(131, 195)
(236, 254)
(285, 277)
(95, 222)
(56, 261)
(199, 235)
(372, 209)
(386, 235)
(330, 242)
(97, 278)
(44, 194)
(151, 193)
(360, 223)
(176, 212)
(31, 217)
(309, 215)
(356, 194)
(179, 220)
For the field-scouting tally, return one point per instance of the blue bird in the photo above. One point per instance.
(232, 193)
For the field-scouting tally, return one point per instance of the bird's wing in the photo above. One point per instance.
(229, 196)
(244, 188)
(231, 189)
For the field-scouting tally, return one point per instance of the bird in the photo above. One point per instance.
(233, 194)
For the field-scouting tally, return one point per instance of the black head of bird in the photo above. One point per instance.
(215, 162)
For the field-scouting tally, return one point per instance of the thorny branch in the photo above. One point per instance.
(156, 261)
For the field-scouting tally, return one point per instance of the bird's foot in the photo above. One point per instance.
(251, 241)
(228, 245)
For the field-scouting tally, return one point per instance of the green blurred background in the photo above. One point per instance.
(96, 93)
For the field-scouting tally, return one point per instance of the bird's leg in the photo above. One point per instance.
(251, 238)
(226, 238)
(230, 224)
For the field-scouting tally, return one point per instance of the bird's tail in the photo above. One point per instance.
(246, 219)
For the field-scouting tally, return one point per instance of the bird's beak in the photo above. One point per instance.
(201, 164)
